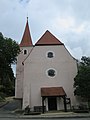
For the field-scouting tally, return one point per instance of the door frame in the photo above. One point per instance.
(52, 103)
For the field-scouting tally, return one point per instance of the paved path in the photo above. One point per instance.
(7, 115)
(60, 115)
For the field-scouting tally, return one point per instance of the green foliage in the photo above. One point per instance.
(2, 95)
(82, 79)
(9, 50)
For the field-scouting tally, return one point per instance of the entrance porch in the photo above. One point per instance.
(52, 93)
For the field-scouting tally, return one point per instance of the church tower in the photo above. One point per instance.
(26, 47)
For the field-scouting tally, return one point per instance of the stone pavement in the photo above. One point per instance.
(56, 115)
(53, 115)
(49, 115)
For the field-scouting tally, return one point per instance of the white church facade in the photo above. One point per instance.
(45, 73)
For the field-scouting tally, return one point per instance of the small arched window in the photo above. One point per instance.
(50, 54)
(25, 52)
(51, 72)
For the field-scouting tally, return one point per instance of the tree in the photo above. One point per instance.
(82, 79)
(9, 50)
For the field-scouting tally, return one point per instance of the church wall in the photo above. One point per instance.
(36, 77)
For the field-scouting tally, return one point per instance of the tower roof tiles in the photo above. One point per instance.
(26, 39)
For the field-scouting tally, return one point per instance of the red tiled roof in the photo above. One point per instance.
(52, 91)
(48, 39)
(26, 39)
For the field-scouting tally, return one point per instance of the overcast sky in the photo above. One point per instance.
(68, 20)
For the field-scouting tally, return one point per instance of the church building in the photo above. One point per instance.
(45, 73)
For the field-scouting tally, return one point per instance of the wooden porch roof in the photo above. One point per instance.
(52, 91)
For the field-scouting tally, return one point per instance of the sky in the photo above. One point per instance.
(68, 20)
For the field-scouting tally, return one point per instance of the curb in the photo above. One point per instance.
(47, 116)
(55, 116)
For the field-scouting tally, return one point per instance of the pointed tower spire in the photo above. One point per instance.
(26, 39)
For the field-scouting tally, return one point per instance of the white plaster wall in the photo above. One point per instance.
(20, 72)
(35, 76)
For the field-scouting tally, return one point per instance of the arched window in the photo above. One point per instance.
(25, 52)
(50, 54)
(51, 72)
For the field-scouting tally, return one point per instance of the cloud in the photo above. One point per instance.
(68, 20)
(77, 52)
(64, 24)
(69, 24)
(81, 9)
(79, 29)
(24, 1)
